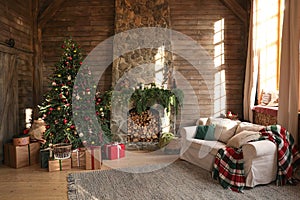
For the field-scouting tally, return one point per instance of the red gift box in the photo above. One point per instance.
(114, 151)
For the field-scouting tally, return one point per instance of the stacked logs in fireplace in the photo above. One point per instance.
(144, 127)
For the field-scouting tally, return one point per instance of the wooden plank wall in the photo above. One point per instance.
(16, 67)
(196, 19)
(88, 22)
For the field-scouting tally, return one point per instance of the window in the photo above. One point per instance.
(219, 60)
(267, 29)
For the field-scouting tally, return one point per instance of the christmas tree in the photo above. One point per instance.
(58, 110)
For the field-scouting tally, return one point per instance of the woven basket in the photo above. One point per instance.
(62, 151)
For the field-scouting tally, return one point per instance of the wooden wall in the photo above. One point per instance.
(16, 66)
(88, 22)
(197, 19)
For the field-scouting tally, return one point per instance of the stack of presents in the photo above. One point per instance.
(22, 152)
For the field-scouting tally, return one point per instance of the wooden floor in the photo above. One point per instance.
(34, 182)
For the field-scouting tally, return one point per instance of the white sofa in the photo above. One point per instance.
(260, 157)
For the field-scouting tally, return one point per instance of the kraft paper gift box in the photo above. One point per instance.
(78, 158)
(21, 156)
(59, 165)
(93, 159)
(114, 151)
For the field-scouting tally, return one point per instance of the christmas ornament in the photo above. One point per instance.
(65, 121)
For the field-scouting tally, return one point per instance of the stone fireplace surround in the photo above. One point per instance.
(139, 65)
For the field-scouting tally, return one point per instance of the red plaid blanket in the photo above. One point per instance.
(287, 152)
(229, 169)
(229, 166)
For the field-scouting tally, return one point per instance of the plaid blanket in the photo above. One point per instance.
(229, 165)
(229, 169)
(287, 153)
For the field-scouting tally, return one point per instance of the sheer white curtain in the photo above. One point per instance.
(289, 69)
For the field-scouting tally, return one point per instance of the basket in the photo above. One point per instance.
(62, 151)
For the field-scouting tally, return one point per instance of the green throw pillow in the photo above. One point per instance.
(205, 132)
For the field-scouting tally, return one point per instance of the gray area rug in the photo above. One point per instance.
(180, 180)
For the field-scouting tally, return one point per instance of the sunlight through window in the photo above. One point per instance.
(267, 28)
(219, 60)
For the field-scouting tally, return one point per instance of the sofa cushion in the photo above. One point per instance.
(242, 138)
(246, 126)
(225, 128)
(206, 146)
(205, 132)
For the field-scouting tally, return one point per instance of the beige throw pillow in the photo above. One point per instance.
(242, 138)
(247, 126)
(225, 128)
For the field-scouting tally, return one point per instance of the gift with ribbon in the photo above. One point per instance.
(59, 165)
(114, 151)
(78, 158)
(93, 158)
(21, 156)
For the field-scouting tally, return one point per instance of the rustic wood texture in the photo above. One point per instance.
(16, 76)
(9, 113)
(88, 23)
(196, 19)
(237, 9)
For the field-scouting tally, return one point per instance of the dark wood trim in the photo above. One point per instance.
(49, 12)
(37, 59)
(237, 10)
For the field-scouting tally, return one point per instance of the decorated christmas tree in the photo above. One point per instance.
(58, 111)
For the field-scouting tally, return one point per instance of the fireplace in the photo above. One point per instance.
(144, 127)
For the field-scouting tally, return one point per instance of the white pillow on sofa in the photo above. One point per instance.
(225, 128)
(242, 138)
(247, 126)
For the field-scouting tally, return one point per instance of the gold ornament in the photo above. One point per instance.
(59, 75)
(58, 108)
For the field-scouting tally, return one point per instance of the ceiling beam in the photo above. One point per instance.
(237, 9)
(49, 12)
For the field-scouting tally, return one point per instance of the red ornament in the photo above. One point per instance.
(70, 58)
(80, 63)
(50, 108)
(26, 131)
(47, 127)
(65, 121)
(72, 126)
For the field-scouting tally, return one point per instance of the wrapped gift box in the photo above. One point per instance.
(21, 156)
(93, 158)
(78, 158)
(21, 140)
(59, 165)
(44, 157)
(114, 151)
